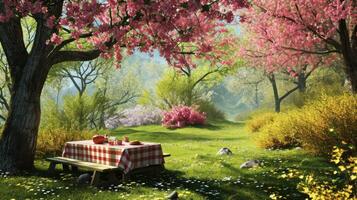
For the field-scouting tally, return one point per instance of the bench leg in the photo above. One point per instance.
(52, 167)
(65, 167)
(95, 178)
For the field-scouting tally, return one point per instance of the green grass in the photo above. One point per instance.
(194, 169)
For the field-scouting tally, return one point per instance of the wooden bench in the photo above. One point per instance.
(99, 169)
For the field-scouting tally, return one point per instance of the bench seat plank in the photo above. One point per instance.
(83, 164)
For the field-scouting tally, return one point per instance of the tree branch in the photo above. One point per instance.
(203, 77)
(288, 93)
(65, 56)
(312, 52)
(68, 41)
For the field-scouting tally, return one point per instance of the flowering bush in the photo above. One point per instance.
(181, 116)
(342, 184)
(261, 120)
(317, 127)
(137, 116)
(50, 141)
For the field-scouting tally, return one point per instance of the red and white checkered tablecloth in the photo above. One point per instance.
(127, 157)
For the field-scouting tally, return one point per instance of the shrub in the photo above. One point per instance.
(212, 113)
(342, 182)
(327, 122)
(50, 142)
(279, 133)
(137, 116)
(181, 116)
(73, 115)
(318, 126)
(259, 121)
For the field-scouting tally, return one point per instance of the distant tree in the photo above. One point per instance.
(271, 64)
(83, 74)
(100, 90)
(292, 32)
(246, 81)
(5, 81)
(299, 81)
(113, 91)
(5, 87)
(187, 86)
(251, 80)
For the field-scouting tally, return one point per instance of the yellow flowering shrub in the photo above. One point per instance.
(50, 142)
(328, 122)
(259, 121)
(347, 171)
(341, 186)
(280, 133)
(317, 127)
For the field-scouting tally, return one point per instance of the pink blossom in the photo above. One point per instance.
(51, 21)
(290, 34)
(55, 39)
(163, 25)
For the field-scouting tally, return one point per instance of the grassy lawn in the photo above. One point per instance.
(194, 169)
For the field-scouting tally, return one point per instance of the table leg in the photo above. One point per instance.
(125, 177)
(95, 178)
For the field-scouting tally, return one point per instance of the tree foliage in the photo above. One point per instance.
(292, 34)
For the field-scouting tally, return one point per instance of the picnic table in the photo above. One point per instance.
(109, 159)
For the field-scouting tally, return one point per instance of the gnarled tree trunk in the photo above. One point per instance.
(18, 142)
(28, 72)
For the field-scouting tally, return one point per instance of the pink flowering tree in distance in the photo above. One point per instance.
(79, 30)
(291, 34)
(257, 54)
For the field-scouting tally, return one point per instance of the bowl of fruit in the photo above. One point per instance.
(99, 139)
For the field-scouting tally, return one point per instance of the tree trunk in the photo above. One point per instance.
(18, 141)
(256, 96)
(352, 69)
(277, 100)
(277, 105)
(349, 53)
(302, 82)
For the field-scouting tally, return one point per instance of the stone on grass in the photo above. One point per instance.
(224, 151)
(298, 148)
(250, 164)
(173, 196)
(84, 178)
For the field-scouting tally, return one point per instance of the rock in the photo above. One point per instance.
(173, 196)
(298, 148)
(250, 164)
(84, 178)
(224, 151)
